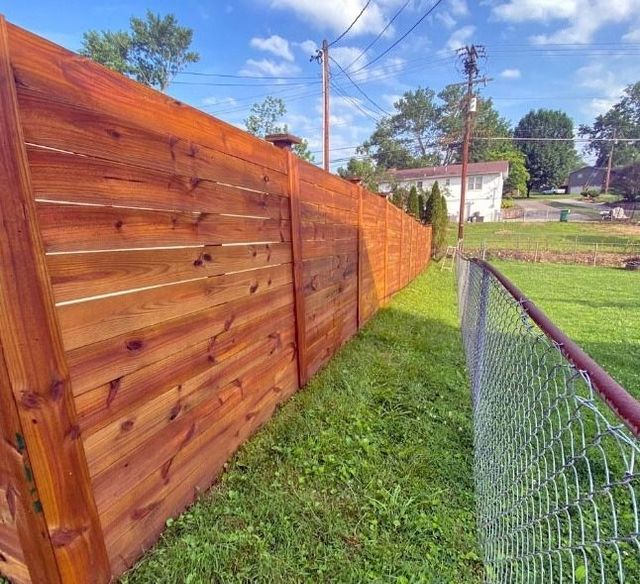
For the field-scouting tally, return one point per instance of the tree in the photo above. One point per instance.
(426, 129)
(420, 207)
(516, 183)
(436, 214)
(364, 169)
(412, 203)
(153, 52)
(487, 123)
(626, 181)
(398, 197)
(621, 121)
(262, 121)
(548, 162)
(407, 139)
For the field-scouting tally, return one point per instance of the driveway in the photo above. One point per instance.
(541, 210)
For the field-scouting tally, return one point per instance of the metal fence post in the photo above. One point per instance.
(481, 334)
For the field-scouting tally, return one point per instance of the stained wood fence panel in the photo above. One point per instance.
(194, 277)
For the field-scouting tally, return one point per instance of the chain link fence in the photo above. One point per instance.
(556, 444)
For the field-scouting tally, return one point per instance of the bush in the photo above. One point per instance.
(436, 215)
(507, 203)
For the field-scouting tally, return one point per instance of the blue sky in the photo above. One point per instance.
(575, 55)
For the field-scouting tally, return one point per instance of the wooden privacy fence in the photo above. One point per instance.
(165, 280)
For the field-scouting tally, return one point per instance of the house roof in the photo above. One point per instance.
(475, 168)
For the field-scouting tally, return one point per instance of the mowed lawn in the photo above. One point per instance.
(599, 308)
(555, 235)
(363, 476)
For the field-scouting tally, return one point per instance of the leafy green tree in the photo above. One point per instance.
(487, 123)
(398, 196)
(516, 183)
(412, 203)
(364, 169)
(548, 162)
(626, 181)
(262, 121)
(407, 138)
(154, 51)
(421, 207)
(621, 121)
(436, 214)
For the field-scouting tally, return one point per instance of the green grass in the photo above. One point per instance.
(598, 308)
(558, 236)
(363, 476)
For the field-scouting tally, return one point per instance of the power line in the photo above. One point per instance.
(384, 112)
(375, 40)
(211, 84)
(404, 36)
(352, 101)
(233, 76)
(352, 24)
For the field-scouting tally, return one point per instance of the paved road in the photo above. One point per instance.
(540, 210)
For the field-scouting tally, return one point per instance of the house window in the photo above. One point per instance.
(474, 183)
(447, 182)
(419, 184)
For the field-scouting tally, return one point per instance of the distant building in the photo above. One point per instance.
(484, 186)
(587, 178)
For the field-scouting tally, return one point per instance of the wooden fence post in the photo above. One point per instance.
(360, 256)
(34, 377)
(298, 268)
(386, 250)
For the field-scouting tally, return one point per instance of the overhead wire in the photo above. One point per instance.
(360, 90)
(352, 24)
(375, 40)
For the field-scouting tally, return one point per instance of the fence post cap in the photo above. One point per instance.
(284, 140)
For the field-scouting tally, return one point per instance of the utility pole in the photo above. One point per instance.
(469, 56)
(607, 179)
(322, 57)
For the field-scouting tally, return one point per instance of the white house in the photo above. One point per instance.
(484, 186)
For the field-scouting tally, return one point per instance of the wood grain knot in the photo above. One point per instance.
(175, 411)
(114, 386)
(64, 537)
(118, 224)
(114, 133)
(142, 512)
(74, 432)
(30, 400)
(229, 322)
(266, 178)
(134, 345)
(57, 389)
(126, 425)
(207, 257)
(254, 286)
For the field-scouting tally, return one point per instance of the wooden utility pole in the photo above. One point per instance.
(325, 108)
(607, 179)
(322, 57)
(469, 55)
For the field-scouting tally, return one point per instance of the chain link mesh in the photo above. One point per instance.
(555, 470)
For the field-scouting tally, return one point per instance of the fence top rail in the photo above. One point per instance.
(623, 404)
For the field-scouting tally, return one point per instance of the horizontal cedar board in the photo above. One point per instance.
(312, 193)
(323, 297)
(78, 275)
(327, 231)
(92, 321)
(45, 67)
(64, 176)
(71, 128)
(138, 518)
(313, 175)
(131, 431)
(319, 248)
(11, 558)
(108, 360)
(86, 228)
(103, 404)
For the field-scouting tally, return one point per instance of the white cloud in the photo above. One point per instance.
(458, 39)
(336, 15)
(268, 68)
(213, 100)
(633, 36)
(274, 44)
(511, 74)
(308, 47)
(584, 17)
(459, 7)
(446, 19)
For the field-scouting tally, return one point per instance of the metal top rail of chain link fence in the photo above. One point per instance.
(556, 444)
